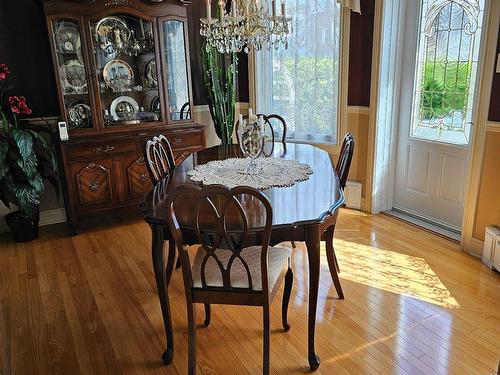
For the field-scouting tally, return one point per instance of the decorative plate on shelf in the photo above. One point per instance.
(79, 114)
(124, 108)
(114, 30)
(118, 75)
(73, 78)
(150, 73)
(67, 37)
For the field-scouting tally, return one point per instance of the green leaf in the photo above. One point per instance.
(24, 142)
(37, 184)
(27, 198)
(28, 161)
(4, 166)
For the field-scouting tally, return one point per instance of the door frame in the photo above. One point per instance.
(487, 71)
(381, 166)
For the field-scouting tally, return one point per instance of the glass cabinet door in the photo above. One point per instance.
(126, 69)
(176, 69)
(71, 71)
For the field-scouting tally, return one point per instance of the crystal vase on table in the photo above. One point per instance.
(251, 140)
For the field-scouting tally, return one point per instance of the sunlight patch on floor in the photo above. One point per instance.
(391, 271)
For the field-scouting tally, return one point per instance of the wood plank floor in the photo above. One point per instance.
(87, 305)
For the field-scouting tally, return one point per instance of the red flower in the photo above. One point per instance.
(4, 71)
(18, 105)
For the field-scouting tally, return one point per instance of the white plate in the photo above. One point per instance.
(73, 77)
(119, 107)
(118, 74)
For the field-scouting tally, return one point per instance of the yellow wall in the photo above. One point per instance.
(488, 205)
(357, 124)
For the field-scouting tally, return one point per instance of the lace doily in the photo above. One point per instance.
(276, 172)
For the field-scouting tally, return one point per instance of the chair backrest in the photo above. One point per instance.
(186, 111)
(277, 126)
(223, 222)
(345, 158)
(159, 158)
(274, 127)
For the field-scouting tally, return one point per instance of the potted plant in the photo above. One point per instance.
(219, 78)
(26, 160)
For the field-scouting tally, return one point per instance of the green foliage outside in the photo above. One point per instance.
(314, 90)
(445, 88)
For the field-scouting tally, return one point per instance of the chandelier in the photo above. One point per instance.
(247, 26)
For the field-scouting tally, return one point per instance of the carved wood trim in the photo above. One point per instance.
(139, 181)
(94, 185)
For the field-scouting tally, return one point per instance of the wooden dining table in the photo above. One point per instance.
(306, 211)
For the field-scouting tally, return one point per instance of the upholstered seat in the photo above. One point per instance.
(277, 260)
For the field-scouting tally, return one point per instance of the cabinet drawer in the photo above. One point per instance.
(99, 149)
(185, 140)
(138, 180)
(93, 183)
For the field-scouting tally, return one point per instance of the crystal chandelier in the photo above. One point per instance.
(247, 26)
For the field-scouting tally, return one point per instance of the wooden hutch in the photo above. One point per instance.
(123, 75)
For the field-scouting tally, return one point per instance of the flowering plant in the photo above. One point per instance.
(26, 158)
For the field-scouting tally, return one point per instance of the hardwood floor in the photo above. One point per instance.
(413, 304)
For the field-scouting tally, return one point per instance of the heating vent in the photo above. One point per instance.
(353, 194)
(491, 251)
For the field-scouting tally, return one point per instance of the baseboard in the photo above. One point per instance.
(476, 248)
(47, 217)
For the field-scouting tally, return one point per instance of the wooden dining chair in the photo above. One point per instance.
(342, 167)
(344, 162)
(233, 263)
(275, 127)
(159, 157)
(185, 111)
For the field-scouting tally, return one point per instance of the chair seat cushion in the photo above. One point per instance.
(277, 258)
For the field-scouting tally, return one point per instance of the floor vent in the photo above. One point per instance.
(353, 194)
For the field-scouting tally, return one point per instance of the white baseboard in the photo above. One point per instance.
(47, 217)
(476, 247)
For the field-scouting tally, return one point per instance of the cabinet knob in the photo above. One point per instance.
(176, 141)
(103, 149)
(143, 178)
(94, 186)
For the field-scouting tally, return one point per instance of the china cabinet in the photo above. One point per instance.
(123, 76)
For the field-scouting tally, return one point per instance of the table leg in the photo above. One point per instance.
(162, 276)
(313, 241)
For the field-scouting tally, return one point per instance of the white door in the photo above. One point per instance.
(440, 62)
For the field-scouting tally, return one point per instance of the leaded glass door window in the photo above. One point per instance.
(447, 57)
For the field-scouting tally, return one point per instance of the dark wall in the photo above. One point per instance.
(196, 11)
(360, 55)
(494, 113)
(24, 47)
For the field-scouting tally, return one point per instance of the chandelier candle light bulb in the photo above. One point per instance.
(209, 10)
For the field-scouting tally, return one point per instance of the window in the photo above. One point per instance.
(301, 83)
(448, 52)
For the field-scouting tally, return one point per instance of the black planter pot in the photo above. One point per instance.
(23, 229)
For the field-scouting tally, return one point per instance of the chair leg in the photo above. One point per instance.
(207, 315)
(294, 245)
(332, 261)
(286, 299)
(266, 351)
(191, 338)
(178, 264)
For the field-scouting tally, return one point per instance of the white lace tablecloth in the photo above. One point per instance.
(276, 172)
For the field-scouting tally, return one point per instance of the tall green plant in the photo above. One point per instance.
(219, 79)
(26, 159)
